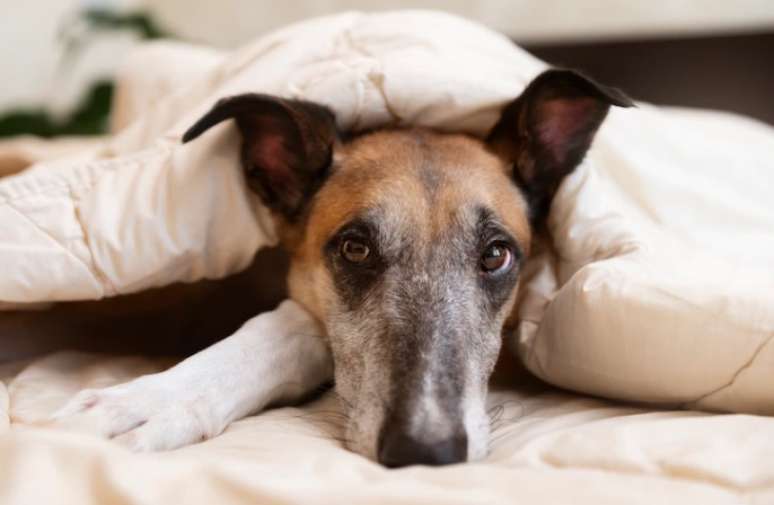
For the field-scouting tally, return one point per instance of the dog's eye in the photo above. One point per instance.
(355, 251)
(496, 258)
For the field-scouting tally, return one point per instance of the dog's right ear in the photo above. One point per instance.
(287, 146)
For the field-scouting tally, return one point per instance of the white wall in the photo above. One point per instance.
(231, 22)
(33, 73)
(32, 63)
(28, 52)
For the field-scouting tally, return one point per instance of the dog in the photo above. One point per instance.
(405, 248)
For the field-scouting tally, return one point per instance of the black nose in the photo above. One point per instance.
(398, 449)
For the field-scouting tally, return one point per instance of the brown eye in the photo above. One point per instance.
(497, 257)
(355, 251)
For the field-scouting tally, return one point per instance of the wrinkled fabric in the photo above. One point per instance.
(143, 210)
(661, 287)
(547, 447)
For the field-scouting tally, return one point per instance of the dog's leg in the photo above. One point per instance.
(275, 357)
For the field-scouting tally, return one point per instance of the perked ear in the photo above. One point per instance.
(287, 146)
(546, 131)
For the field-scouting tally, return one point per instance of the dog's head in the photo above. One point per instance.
(407, 245)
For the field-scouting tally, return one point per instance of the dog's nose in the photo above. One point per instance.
(398, 449)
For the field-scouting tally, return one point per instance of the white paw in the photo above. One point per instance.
(151, 413)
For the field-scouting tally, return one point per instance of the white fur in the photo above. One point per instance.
(276, 356)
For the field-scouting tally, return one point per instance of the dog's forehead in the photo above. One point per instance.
(418, 180)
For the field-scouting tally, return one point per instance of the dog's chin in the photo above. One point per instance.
(362, 433)
(477, 426)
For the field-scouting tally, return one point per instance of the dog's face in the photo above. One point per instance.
(407, 244)
(410, 255)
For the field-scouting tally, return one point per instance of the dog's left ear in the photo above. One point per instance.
(287, 146)
(546, 131)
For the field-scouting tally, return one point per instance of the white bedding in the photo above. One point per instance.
(658, 290)
(662, 287)
(548, 447)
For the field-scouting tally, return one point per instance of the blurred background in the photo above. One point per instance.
(57, 57)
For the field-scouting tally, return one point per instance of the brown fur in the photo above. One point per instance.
(403, 165)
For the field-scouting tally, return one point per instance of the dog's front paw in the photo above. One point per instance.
(151, 413)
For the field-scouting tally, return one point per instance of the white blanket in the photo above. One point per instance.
(145, 210)
(659, 289)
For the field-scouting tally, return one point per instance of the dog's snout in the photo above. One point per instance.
(398, 449)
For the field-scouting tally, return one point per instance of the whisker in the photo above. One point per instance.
(495, 414)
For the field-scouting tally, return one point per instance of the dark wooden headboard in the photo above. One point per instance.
(733, 72)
